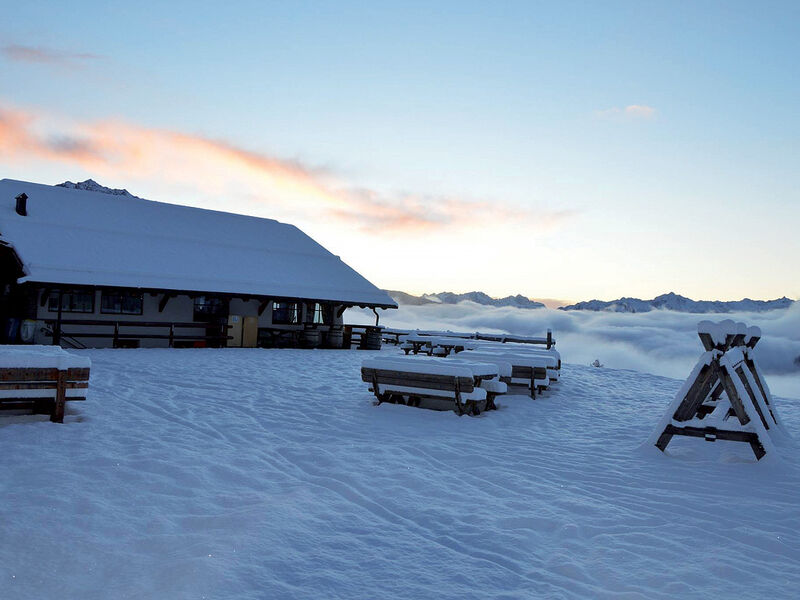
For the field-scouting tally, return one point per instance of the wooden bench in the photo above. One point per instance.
(433, 383)
(41, 379)
(45, 390)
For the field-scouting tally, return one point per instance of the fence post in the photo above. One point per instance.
(57, 332)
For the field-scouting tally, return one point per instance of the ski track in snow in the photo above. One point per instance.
(271, 474)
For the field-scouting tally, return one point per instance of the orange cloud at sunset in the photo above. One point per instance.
(116, 149)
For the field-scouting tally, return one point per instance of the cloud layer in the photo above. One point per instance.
(48, 56)
(660, 342)
(117, 149)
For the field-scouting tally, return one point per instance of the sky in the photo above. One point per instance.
(561, 150)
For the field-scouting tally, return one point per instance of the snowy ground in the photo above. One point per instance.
(270, 474)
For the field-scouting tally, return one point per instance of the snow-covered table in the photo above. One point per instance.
(41, 379)
(526, 370)
(466, 386)
(434, 345)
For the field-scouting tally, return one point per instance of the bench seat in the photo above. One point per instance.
(40, 379)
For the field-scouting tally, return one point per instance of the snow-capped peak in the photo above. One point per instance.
(92, 186)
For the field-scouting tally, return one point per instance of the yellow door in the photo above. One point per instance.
(235, 331)
(250, 332)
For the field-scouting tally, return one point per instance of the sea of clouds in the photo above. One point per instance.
(660, 342)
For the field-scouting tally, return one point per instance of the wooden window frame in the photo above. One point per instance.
(52, 301)
(291, 309)
(208, 300)
(107, 293)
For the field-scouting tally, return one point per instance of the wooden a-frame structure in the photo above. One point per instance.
(726, 396)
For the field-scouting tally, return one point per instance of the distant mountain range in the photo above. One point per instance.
(517, 301)
(669, 301)
(678, 303)
(92, 186)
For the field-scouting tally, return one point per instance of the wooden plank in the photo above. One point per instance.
(420, 376)
(23, 403)
(27, 374)
(78, 373)
(444, 385)
(733, 397)
(707, 341)
(751, 366)
(42, 385)
(753, 399)
(698, 392)
(712, 433)
(61, 393)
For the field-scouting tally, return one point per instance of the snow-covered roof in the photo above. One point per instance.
(82, 237)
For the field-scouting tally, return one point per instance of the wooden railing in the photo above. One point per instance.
(393, 336)
(215, 333)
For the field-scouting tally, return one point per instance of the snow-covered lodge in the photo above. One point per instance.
(83, 268)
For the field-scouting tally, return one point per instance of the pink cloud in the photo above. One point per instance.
(42, 55)
(119, 149)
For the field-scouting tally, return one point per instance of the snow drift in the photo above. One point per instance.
(251, 474)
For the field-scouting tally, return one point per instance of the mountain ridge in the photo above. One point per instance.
(518, 301)
(677, 303)
(669, 301)
(91, 185)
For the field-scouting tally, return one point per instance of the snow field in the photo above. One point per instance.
(270, 474)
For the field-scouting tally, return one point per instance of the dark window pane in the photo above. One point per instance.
(72, 301)
(284, 313)
(123, 302)
(209, 308)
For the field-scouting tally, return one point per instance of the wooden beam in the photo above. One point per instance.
(701, 387)
(712, 434)
(263, 306)
(751, 394)
(162, 304)
(733, 397)
(45, 296)
(707, 341)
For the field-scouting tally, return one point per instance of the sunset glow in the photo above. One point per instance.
(512, 167)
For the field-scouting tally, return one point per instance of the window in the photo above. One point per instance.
(323, 314)
(209, 308)
(285, 313)
(123, 302)
(79, 301)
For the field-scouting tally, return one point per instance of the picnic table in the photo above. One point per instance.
(432, 345)
(467, 387)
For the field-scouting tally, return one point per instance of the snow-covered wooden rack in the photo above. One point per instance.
(393, 336)
(41, 379)
(464, 386)
(726, 396)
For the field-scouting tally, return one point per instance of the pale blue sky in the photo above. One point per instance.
(514, 105)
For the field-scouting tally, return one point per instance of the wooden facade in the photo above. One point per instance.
(104, 317)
